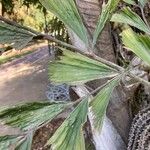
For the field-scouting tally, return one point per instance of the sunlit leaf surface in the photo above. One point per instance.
(69, 136)
(100, 102)
(74, 68)
(106, 13)
(132, 2)
(67, 12)
(31, 115)
(18, 38)
(142, 2)
(139, 44)
(25, 143)
(6, 141)
(127, 16)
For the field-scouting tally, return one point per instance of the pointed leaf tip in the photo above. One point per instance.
(18, 38)
(31, 115)
(100, 102)
(127, 16)
(69, 136)
(74, 68)
(106, 14)
(140, 44)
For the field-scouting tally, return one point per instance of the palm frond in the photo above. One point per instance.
(100, 102)
(74, 68)
(31, 115)
(106, 14)
(69, 136)
(127, 16)
(17, 37)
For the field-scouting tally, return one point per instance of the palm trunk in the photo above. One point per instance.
(1, 11)
(118, 108)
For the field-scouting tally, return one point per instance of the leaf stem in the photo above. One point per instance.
(51, 38)
(138, 79)
(90, 93)
(143, 16)
(91, 55)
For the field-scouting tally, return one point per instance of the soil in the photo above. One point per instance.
(43, 135)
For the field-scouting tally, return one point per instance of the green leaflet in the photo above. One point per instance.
(69, 136)
(21, 143)
(127, 16)
(17, 37)
(25, 143)
(6, 141)
(132, 2)
(74, 68)
(100, 102)
(139, 44)
(107, 11)
(31, 115)
(66, 11)
(142, 2)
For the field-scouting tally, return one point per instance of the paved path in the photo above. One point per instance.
(24, 79)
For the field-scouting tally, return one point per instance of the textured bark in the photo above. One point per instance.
(106, 138)
(90, 11)
(118, 107)
(0, 8)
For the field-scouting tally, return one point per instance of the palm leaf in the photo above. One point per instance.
(69, 136)
(74, 68)
(132, 2)
(31, 115)
(139, 44)
(142, 2)
(100, 102)
(107, 11)
(6, 141)
(127, 16)
(66, 11)
(17, 37)
(25, 143)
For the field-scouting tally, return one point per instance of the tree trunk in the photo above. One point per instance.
(107, 138)
(1, 13)
(118, 110)
(1, 10)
